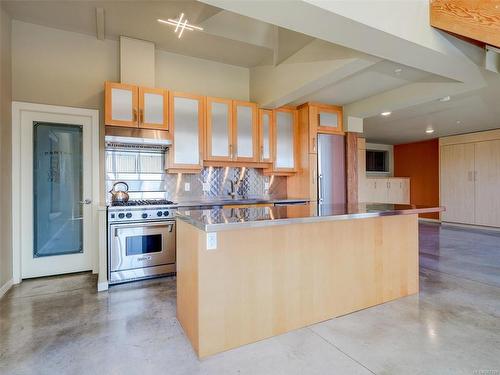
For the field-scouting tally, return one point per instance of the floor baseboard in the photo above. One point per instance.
(5, 287)
(425, 219)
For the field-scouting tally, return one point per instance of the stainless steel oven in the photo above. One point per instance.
(141, 249)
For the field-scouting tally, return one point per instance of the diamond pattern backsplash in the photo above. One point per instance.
(143, 172)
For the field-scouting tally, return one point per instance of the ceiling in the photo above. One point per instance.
(227, 37)
(380, 77)
(244, 40)
(474, 111)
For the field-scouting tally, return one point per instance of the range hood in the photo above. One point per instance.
(116, 137)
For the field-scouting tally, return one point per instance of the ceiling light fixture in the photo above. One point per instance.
(180, 24)
(445, 99)
(429, 130)
(386, 113)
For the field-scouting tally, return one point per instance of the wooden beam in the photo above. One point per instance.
(475, 19)
(352, 167)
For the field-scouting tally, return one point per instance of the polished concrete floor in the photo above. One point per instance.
(62, 326)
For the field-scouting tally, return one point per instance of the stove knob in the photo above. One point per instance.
(121, 216)
(128, 215)
(159, 213)
(165, 213)
(144, 215)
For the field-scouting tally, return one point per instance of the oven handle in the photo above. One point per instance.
(169, 223)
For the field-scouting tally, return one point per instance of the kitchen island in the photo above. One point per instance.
(245, 274)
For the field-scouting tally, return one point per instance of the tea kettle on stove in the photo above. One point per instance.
(119, 195)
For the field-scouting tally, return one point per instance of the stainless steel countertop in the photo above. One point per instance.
(218, 218)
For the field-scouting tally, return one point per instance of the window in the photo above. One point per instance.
(377, 161)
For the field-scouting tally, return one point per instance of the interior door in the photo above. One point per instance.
(56, 190)
(487, 179)
(457, 183)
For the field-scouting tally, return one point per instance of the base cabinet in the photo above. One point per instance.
(395, 190)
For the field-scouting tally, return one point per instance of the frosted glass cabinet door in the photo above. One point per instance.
(219, 129)
(153, 108)
(285, 156)
(121, 104)
(329, 119)
(245, 128)
(186, 127)
(265, 135)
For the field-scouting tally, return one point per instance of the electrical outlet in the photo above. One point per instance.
(211, 241)
(206, 186)
(187, 186)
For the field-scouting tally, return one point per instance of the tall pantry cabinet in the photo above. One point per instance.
(470, 178)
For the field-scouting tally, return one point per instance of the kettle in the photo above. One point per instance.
(119, 196)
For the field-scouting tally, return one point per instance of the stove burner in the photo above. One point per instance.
(143, 202)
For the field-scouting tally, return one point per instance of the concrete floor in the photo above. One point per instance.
(61, 325)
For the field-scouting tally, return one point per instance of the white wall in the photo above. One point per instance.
(390, 150)
(5, 150)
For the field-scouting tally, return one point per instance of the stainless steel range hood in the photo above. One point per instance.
(116, 137)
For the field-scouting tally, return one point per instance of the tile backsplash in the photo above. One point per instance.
(144, 172)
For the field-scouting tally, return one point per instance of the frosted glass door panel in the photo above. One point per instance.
(284, 140)
(153, 109)
(266, 136)
(57, 189)
(220, 129)
(121, 105)
(328, 119)
(186, 133)
(244, 118)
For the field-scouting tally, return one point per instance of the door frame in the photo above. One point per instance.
(18, 108)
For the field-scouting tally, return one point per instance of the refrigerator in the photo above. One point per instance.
(331, 169)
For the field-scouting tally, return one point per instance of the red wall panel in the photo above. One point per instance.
(420, 162)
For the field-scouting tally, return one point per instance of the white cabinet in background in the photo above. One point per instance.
(487, 183)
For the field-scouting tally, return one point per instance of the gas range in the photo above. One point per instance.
(142, 210)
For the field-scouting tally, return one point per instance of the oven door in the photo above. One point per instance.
(142, 245)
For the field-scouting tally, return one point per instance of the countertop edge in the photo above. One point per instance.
(301, 220)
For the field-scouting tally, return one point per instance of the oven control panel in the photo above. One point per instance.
(125, 214)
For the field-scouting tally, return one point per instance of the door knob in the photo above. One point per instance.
(86, 201)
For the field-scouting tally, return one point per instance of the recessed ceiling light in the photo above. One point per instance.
(445, 99)
(180, 24)
(398, 70)
(386, 113)
(429, 130)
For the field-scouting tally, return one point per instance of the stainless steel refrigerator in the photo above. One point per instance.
(331, 169)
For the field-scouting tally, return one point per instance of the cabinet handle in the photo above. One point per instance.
(135, 114)
(314, 144)
(141, 116)
(230, 151)
(261, 152)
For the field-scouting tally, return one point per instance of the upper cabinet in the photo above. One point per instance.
(186, 118)
(245, 134)
(285, 140)
(219, 129)
(328, 119)
(135, 107)
(266, 146)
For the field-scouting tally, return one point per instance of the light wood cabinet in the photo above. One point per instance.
(394, 190)
(285, 140)
(219, 129)
(186, 119)
(266, 126)
(457, 183)
(135, 107)
(328, 118)
(470, 178)
(487, 183)
(245, 132)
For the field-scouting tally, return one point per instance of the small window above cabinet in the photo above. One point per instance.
(266, 146)
(219, 129)
(135, 107)
(186, 126)
(245, 134)
(329, 119)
